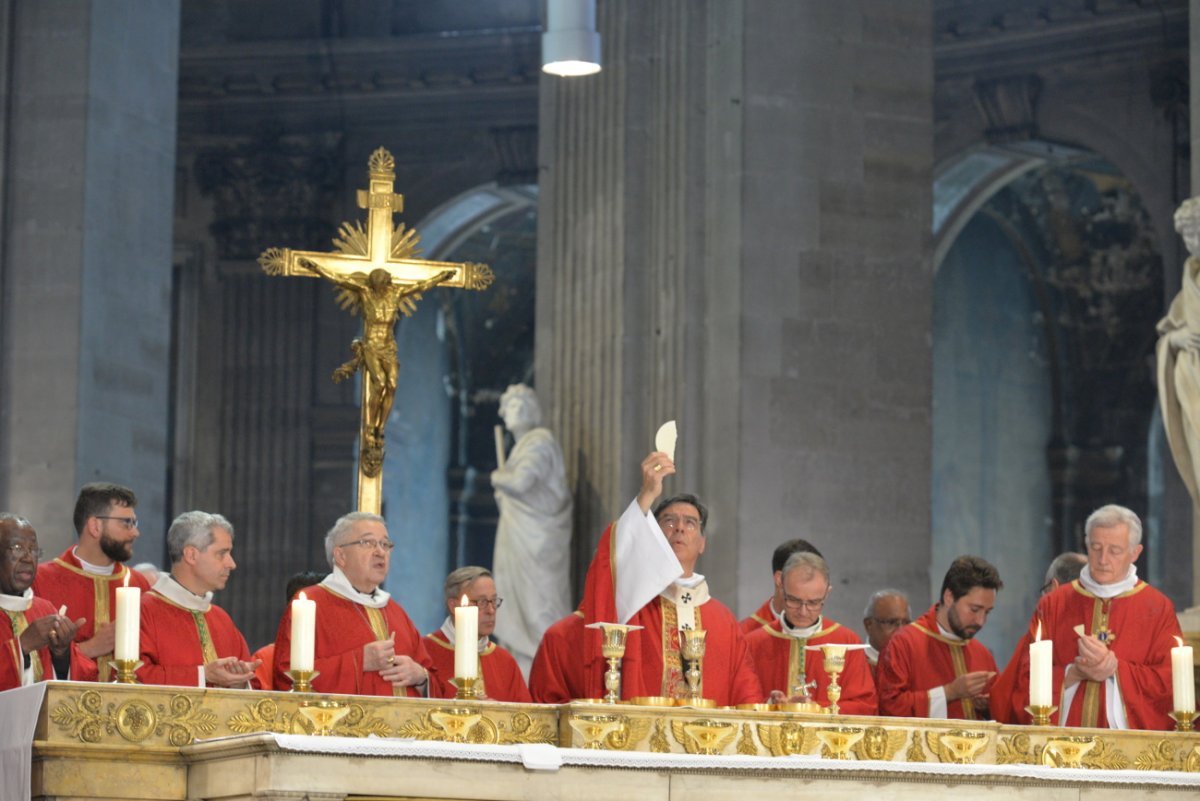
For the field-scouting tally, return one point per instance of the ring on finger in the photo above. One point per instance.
(391, 660)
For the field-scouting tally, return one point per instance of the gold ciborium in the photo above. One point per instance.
(594, 728)
(839, 740)
(612, 646)
(323, 715)
(125, 669)
(1066, 752)
(455, 722)
(302, 680)
(693, 652)
(835, 662)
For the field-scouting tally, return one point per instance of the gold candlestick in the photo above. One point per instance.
(693, 652)
(302, 680)
(835, 663)
(1183, 719)
(465, 687)
(1041, 714)
(126, 670)
(614, 637)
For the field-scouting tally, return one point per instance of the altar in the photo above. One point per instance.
(77, 741)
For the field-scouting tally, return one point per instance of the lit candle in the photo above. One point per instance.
(1041, 677)
(304, 632)
(466, 640)
(1183, 678)
(129, 621)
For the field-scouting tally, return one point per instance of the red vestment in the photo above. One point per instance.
(86, 595)
(652, 665)
(502, 680)
(779, 658)
(557, 675)
(918, 659)
(176, 641)
(343, 628)
(12, 663)
(1003, 696)
(265, 672)
(762, 617)
(1141, 628)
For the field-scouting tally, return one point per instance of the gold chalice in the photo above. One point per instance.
(612, 646)
(835, 663)
(693, 652)
(838, 740)
(456, 722)
(323, 715)
(1067, 752)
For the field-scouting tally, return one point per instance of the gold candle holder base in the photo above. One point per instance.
(465, 687)
(126, 670)
(1183, 720)
(302, 680)
(1041, 714)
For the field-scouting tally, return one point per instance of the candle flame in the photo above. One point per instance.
(1178, 641)
(1038, 637)
(301, 596)
(465, 601)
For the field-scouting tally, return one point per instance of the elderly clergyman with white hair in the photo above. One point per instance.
(186, 639)
(1112, 634)
(365, 643)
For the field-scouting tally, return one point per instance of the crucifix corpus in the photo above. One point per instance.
(375, 271)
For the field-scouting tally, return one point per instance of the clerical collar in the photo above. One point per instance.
(99, 570)
(1108, 590)
(804, 633)
(17, 603)
(448, 630)
(949, 635)
(690, 582)
(872, 654)
(169, 587)
(337, 581)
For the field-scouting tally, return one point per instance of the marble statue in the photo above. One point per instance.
(1179, 355)
(533, 539)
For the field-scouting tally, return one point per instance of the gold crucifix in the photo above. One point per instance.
(376, 271)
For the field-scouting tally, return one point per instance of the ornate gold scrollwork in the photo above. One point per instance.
(87, 717)
(746, 745)
(521, 729)
(1015, 750)
(1166, 755)
(659, 744)
(266, 715)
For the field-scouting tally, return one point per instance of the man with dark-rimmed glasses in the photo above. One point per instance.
(787, 665)
(85, 577)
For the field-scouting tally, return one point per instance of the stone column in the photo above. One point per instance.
(89, 153)
(734, 232)
(1194, 106)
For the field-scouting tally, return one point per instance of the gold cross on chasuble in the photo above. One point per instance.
(378, 274)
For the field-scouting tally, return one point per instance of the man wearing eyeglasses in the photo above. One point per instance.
(365, 643)
(499, 677)
(1112, 634)
(772, 608)
(886, 613)
(934, 668)
(643, 574)
(85, 577)
(186, 639)
(784, 656)
(35, 641)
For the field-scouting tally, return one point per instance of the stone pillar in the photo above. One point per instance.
(734, 232)
(89, 152)
(1194, 106)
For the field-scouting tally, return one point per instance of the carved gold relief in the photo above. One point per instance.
(266, 715)
(703, 736)
(1067, 752)
(785, 739)
(87, 717)
(522, 729)
(836, 741)
(915, 752)
(659, 744)
(595, 729)
(879, 743)
(1166, 755)
(1105, 756)
(1015, 750)
(746, 745)
(958, 746)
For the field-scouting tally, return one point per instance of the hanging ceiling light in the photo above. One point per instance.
(570, 43)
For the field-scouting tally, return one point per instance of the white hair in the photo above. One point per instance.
(879, 595)
(194, 529)
(342, 526)
(1113, 515)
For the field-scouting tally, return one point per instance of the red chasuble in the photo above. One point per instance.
(12, 663)
(652, 665)
(501, 677)
(557, 675)
(176, 641)
(265, 673)
(64, 581)
(780, 658)
(343, 628)
(918, 659)
(1003, 696)
(763, 617)
(1140, 626)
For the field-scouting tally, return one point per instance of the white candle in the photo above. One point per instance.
(1183, 678)
(304, 632)
(1041, 676)
(129, 621)
(466, 640)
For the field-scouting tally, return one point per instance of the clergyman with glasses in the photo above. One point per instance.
(788, 669)
(35, 641)
(499, 675)
(85, 577)
(365, 643)
(886, 613)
